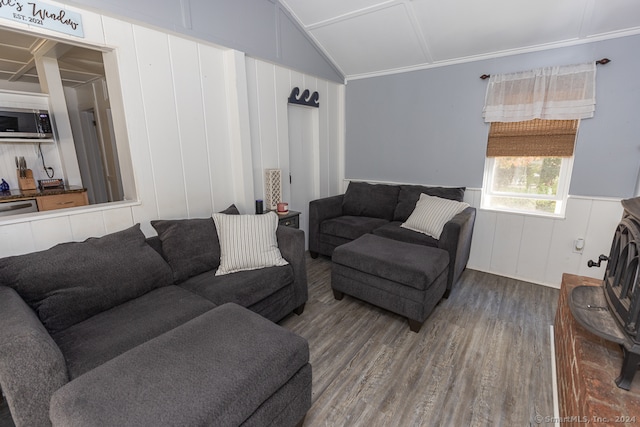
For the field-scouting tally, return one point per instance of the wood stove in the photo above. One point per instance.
(612, 311)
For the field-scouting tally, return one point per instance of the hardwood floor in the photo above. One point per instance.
(481, 359)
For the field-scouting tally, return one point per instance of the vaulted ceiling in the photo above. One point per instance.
(365, 38)
(371, 37)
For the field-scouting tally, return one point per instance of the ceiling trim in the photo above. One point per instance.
(295, 20)
(493, 55)
(418, 30)
(353, 14)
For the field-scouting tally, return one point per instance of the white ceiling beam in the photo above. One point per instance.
(21, 72)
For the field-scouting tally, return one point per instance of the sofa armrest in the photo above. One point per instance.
(456, 239)
(32, 366)
(320, 210)
(291, 245)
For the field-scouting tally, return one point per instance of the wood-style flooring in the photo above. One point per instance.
(481, 359)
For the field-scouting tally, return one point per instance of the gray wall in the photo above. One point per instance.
(260, 28)
(427, 127)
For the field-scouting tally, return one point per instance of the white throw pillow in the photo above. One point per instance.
(432, 213)
(247, 242)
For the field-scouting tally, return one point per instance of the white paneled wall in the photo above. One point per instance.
(202, 123)
(539, 249)
(269, 88)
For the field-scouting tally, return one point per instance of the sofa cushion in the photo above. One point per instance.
(100, 338)
(393, 230)
(276, 305)
(73, 281)
(372, 200)
(409, 195)
(247, 242)
(218, 369)
(432, 213)
(351, 227)
(190, 246)
(244, 288)
(415, 266)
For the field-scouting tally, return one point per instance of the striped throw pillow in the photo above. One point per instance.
(247, 242)
(432, 213)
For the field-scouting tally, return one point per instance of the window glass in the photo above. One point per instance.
(527, 182)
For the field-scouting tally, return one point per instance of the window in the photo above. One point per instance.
(528, 166)
(95, 137)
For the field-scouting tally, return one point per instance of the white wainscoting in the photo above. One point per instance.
(194, 143)
(539, 249)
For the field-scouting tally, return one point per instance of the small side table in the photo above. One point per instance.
(290, 219)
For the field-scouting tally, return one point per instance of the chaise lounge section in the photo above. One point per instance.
(261, 376)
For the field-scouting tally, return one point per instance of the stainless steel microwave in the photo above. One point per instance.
(24, 123)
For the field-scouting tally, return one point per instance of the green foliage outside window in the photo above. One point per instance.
(526, 175)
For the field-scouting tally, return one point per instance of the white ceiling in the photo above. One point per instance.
(77, 65)
(373, 37)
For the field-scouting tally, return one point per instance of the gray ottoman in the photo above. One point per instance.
(405, 278)
(227, 367)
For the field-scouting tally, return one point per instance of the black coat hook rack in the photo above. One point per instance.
(307, 98)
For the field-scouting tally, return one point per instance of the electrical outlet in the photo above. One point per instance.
(578, 245)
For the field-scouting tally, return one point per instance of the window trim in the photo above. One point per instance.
(562, 194)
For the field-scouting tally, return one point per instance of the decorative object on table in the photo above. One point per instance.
(4, 186)
(259, 207)
(25, 175)
(283, 207)
(272, 188)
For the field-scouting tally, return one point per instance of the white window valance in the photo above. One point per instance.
(550, 93)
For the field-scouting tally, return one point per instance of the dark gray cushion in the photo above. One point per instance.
(351, 227)
(393, 231)
(31, 365)
(190, 246)
(412, 265)
(372, 200)
(215, 370)
(244, 288)
(276, 305)
(73, 281)
(409, 195)
(104, 336)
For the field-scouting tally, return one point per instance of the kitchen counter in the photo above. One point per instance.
(50, 199)
(15, 195)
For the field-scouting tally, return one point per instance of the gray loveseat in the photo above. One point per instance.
(380, 209)
(84, 309)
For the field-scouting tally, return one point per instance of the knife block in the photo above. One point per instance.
(26, 183)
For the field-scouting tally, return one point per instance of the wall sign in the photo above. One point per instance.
(43, 15)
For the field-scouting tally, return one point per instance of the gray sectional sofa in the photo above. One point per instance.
(381, 209)
(73, 317)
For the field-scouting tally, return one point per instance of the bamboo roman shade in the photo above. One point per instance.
(532, 138)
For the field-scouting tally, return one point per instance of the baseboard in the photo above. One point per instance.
(522, 279)
(554, 376)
